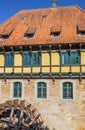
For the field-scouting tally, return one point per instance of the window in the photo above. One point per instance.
(30, 32)
(9, 60)
(55, 34)
(66, 59)
(75, 58)
(4, 37)
(81, 29)
(26, 59)
(17, 90)
(5, 33)
(56, 31)
(41, 90)
(35, 59)
(29, 59)
(29, 35)
(67, 89)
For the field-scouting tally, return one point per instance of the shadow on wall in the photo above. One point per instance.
(46, 128)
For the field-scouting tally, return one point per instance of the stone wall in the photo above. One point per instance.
(58, 114)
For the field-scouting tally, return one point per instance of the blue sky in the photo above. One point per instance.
(11, 7)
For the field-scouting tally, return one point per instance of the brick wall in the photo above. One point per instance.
(58, 114)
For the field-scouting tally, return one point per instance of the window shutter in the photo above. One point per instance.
(26, 59)
(75, 58)
(9, 60)
(36, 59)
(65, 59)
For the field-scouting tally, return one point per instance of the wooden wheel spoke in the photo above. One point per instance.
(17, 115)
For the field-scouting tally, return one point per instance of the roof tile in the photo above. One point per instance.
(69, 18)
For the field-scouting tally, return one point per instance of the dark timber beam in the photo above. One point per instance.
(40, 51)
(30, 47)
(12, 51)
(80, 46)
(60, 58)
(70, 60)
(21, 51)
(4, 53)
(50, 59)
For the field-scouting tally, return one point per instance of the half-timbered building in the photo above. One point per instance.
(42, 60)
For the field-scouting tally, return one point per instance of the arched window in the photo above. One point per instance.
(17, 90)
(41, 90)
(67, 90)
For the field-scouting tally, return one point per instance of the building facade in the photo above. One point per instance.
(42, 56)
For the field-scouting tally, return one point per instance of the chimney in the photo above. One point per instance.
(54, 3)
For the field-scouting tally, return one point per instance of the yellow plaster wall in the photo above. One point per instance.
(17, 60)
(45, 59)
(1, 70)
(65, 69)
(55, 59)
(36, 69)
(17, 70)
(75, 69)
(26, 70)
(83, 69)
(1, 60)
(55, 69)
(45, 69)
(8, 70)
(82, 57)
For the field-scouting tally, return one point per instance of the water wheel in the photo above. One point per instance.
(16, 115)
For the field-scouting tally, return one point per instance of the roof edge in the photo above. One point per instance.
(80, 8)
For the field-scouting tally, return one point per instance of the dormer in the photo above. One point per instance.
(5, 33)
(81, 29)
(30, 32)
(55, 31)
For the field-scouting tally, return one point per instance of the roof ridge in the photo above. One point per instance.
(51, 8)
(35, 9)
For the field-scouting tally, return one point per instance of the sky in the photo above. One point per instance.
(10, 7)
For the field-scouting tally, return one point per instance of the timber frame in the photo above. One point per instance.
(43, 49)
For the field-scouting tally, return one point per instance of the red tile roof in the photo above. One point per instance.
(64, 19)
(30, 30)
(81, 27)
(56, 29)
(6, 31)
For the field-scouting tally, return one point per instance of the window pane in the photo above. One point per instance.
(9, 59)
(26, 59)
(17, 90)
(41, 90)
(65, 58)
(35, 59)
(67, 90)
(70, 89)
(75, 58)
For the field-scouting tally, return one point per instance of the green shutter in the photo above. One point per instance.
(75, 58)
(65, 59)
(9, 60)
(26, 59)
(35, 59)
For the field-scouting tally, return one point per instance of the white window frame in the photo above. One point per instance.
(74, 88)
(35, 89)
(11, 90)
